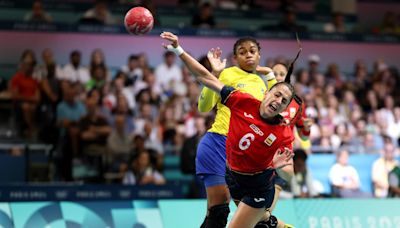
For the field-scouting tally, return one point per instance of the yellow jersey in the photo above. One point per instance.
(250, 83)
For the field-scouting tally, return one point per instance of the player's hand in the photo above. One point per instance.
(263, 70)
(282, 158)
(214, 56)
(170, 37)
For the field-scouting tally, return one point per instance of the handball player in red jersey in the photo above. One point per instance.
(257, 145)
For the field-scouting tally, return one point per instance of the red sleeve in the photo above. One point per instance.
(239, 100)
(300, 124)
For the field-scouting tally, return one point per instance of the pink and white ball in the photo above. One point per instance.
(139, 21)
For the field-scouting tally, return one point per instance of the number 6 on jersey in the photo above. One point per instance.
(245, 141)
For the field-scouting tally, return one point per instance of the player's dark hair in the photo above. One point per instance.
(291, 65)
(133, 57)
(245, 39)
(290, 86)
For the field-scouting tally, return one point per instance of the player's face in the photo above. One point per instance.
(280, 72)
(275, 101)
(247, 56)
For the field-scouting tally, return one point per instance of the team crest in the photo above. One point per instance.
(270, 139)
(292, 112)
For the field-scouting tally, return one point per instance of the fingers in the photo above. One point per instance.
(288, 154)
(214, 53)
(170, 37)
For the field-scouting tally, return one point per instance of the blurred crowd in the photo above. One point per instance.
(123, 124)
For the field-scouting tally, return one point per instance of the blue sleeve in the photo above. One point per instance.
(226, 91)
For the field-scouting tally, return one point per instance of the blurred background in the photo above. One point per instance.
(99, 128)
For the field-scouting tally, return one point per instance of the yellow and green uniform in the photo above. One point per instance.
(233, 76)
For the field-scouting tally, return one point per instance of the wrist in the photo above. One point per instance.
(270, 76)
(177, 50)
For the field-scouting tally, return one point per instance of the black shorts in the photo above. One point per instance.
(257, 190)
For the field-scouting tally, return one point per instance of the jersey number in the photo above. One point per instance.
(245, 141)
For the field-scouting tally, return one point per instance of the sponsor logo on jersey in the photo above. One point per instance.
(241, 85)
(256, 130)
(270, 139)
(257, 200)
(248, 115)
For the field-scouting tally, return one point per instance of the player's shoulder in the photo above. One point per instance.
(245, 98)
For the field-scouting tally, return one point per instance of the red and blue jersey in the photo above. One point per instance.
(252, 141)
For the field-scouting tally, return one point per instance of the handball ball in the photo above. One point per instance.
(138, 21)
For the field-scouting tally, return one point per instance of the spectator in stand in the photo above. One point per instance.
(337, 24)
(289, 24)
(50, 96)
(141, 172)
(119, 144)
(94, 130)
(301, 184)
(74, 71)
(393, 130)
(38, 14)
(334, 76)
(389, 24)
(99, 14)
(98, 78)
(69, 112)
(394, 182)
(381, 169)
(133, 70)
(41, 71)
(25, 93)
(168, 73)
(313, 66)
(344, 178)
(204, 18)
(117, 89)
(97, 58)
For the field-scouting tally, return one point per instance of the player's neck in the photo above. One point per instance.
(247, 71)
(273, 120)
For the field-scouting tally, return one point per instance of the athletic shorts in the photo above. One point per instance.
(212, 179)
(211, 155)
(257, 190)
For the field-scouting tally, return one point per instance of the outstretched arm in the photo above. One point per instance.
(202, 74)
(208, 98)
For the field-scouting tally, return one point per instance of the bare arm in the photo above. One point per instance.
(202, 74)
(286, 172)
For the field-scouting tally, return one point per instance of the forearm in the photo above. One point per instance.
(201, 73)
(286, 172)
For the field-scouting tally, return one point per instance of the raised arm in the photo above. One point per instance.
(208, 98)
(202, 74)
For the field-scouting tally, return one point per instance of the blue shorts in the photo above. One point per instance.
(212, 179)
(257, 190)
(211, 155)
